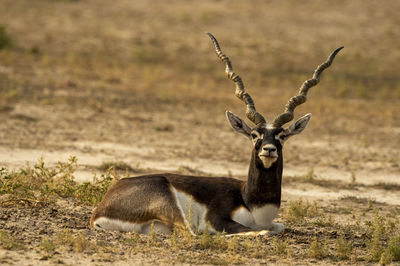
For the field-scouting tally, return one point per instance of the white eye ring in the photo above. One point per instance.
(281, 137)
(255, 136)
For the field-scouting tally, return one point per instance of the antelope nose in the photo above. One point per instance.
(269, 148)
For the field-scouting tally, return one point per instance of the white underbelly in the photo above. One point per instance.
(104, 223)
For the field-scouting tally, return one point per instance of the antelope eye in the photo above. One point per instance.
(253, 135)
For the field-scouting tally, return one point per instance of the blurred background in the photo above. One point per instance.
(136, 85)
(139, 81)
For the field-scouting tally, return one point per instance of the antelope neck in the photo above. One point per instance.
(263, 185)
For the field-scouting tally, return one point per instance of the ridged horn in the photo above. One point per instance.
(295, 101)
(251, 112)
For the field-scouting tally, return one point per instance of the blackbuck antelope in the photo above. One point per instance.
(220, 204)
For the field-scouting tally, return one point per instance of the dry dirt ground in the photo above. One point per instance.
(137, 83)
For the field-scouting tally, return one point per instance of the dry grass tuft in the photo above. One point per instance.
(343, 249)
(5, 38)
(297, 211)
(119, 165)
(47, 247)
(318, 249)
(9, 243)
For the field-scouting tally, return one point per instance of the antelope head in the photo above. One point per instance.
(268, 138)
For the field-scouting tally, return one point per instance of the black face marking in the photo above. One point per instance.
(258, 144)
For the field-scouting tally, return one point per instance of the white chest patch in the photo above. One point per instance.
(265, 215)
(193, 212)
(243, 216)
(257, 218)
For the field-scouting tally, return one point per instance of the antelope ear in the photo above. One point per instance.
(238, 124)
(297, 127)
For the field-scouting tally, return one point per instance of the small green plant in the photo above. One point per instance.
(318, 250)
(258, 251)
(206, 240)
(78, 242)
(343, 248)
(324, 221)
(234, 244)
(221, 242)
(353, 178)
(24, 184)
(187, 232)
(296, 211)
(134, 239)
(5, 39)
(392, 251)
(118, 165)
(64, 237)
(385, 259)
(40, 184)
(310, 176)
(9, 243)
(35, 50)
(230, 174)
(92, 192)
(377, 231)
(152, 236)
(174, 239)
(281, 247)
(48, 247)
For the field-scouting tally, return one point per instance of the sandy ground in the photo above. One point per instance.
(175, 146)
(148, 144)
